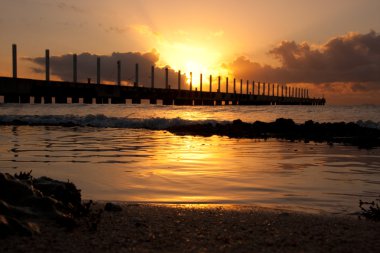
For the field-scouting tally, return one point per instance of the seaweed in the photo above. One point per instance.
(370, 210)
(24, 176)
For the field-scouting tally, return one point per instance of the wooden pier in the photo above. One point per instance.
(21, 90)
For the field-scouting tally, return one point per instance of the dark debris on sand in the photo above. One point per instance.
(346, 133)
(25, 200)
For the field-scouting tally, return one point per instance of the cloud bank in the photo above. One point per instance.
(62, 67)
(349, 58)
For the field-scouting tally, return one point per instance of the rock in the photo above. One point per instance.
(67, 193)
(23, 197)
(7, 209)
(12, 226)
(111, 207)
(13, 190)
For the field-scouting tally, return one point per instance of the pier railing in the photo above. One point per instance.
(21, 90)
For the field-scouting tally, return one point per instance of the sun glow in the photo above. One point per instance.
(194, 61)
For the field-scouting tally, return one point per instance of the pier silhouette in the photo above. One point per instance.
(22, 90)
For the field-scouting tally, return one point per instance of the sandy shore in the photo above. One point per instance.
(179, 228)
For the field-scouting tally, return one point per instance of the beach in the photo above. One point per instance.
(203, 228)
(199, 180)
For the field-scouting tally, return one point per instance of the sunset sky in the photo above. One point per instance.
(330, 47)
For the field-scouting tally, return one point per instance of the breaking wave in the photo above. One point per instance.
(100, 121)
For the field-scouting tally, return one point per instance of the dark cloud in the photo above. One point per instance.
(69, 7)
(349, 58)
(62, 67)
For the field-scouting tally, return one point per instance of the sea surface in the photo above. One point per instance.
(123, 153)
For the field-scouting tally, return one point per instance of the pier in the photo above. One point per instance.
(21, 90)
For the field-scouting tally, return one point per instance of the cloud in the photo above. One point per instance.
(69, 7)
(144, 30)
(349, 58)
(62, 67)
(117, 29)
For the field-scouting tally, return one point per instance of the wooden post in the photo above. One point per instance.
(179, 80)
(226, 85)
(201, 83)
(75, 66)
(191, 81)
(136, 84)
(210, 83)
(269, 90)
(272, 89)
(14, 60)
(118, 73)
(258, 88)
(98, 70)
(253, 87)
(241, 86)
(166, 78)
(278, 90)
(247, 87)
(264, 89)
(47, 64)
(152, 77)
(218, 83)
(234, 85)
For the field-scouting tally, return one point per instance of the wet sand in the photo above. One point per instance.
(200, 228)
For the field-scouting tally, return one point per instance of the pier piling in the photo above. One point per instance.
(98, 70)
(179, 80)
(14, 60)
(75, 80)
(166, 78)
(210, 90)
(118, 73)
(152, 79)
(136, 84)
(47, 65)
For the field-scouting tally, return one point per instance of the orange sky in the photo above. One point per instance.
(199, 36)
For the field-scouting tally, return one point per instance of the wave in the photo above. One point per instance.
(368, 124)
(100, 121)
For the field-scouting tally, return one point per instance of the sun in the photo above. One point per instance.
(193, 60)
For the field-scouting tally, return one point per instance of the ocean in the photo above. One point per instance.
(124, 153)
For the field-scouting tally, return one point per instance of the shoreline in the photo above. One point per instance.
(178, 228)
(46, 215)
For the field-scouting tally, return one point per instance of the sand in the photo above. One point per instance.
(202, 228)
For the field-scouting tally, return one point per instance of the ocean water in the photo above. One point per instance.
(122, 153)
